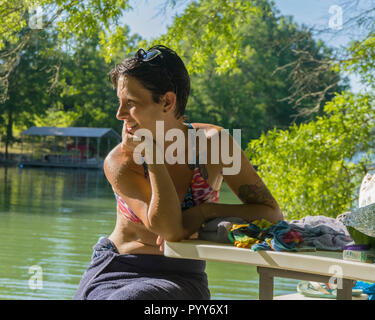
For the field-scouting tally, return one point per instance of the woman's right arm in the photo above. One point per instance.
(164, 213)
(160, 212)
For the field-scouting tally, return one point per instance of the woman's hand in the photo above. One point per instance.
(160, 243)
(128, 143)
(139, 146)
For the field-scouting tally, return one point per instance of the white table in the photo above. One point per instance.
(319, 266)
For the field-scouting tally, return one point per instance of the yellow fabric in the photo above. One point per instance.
(248, 242)
(237, 226)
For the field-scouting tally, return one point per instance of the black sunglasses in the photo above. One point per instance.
(151, 55)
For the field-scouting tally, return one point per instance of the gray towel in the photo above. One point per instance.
(217, 229)
(322, 232)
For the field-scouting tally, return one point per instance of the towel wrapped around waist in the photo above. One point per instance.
(112, 276)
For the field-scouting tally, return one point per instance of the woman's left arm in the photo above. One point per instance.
(257, 200)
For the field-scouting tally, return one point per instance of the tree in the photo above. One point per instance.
(28, 94)
(84, 84)
(22, 19)
(250, 90)
(79, 94)
(317, 168)
(25, 95)
(310, 168)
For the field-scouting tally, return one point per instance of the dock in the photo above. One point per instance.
(64, 147)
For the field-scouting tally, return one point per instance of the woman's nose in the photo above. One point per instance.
(122, 112)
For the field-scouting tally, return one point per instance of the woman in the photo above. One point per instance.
(159, 201)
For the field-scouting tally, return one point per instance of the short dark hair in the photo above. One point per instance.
(157, 77)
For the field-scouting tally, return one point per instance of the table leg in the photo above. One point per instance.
(265, 284)
(345, 293)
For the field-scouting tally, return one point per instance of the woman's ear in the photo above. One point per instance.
(169, 101)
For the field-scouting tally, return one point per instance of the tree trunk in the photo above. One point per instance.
(9, 134)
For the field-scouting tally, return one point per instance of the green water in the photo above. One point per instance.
(51, 218)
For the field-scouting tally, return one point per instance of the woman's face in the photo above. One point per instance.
(137, 108)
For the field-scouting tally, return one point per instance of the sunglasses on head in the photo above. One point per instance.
(148, 56)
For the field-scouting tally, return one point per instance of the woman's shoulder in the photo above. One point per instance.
(118, 160)
(200, 125)
(116, 155)
(209, 128)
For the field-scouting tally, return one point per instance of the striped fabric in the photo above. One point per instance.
(124, 209)
(201, 190)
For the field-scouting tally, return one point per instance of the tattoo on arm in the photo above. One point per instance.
(256, 194)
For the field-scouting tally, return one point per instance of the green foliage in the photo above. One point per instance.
(21, 20)
(316, 168)
(361, 59)
(54, 88)
(55, 117)
(247, 96)
(72, 17)
(309, 168)
(236, 52)
(85, 87)
(209, 27)
(28, 94)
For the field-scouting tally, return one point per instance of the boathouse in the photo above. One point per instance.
(74, 147)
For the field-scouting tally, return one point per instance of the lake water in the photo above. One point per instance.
(51, 218)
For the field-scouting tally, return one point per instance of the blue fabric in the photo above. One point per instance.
(367, 288)
(112, 276)
(276, 232)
